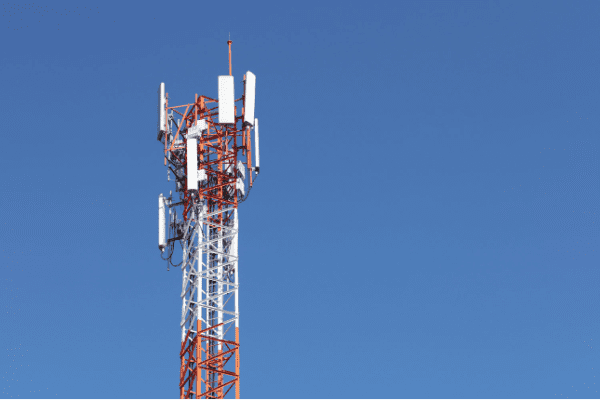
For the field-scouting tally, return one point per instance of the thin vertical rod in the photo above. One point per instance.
(198, 353)
(229, 43)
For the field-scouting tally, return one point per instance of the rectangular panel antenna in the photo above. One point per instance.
(202, 125)
(192, 164)
(202, 175)
(240, 186)
(196, 130)
(226, 100)
(249, 98)
(241, 169)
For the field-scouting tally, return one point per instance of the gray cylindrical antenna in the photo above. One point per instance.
(162, 242)
(162, 118)
(257, 156)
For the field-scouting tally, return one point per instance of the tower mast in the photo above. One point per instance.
(209, 152)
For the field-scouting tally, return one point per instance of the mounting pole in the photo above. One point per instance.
(229, 43)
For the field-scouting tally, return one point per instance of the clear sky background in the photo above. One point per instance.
(425, 224)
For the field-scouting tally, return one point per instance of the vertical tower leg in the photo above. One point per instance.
(236, 226)
(237, 363)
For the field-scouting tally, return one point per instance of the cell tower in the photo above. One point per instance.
(208, 151)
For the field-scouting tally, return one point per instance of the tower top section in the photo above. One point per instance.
(207, 143)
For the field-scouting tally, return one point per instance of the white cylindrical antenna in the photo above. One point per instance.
(257, 156)
(162, 115)
(192, 164)
(249, 95)
(162, 241)
(226, 100)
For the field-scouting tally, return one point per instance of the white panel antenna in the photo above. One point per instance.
(202, 175)
(226, 100)
(162, 241)
(257, 156)
(162, 115)
(241, 169)
(249, 98)
(196, 130)
(240, 186)
(192, 164)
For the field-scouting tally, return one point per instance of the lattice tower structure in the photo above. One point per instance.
(208, 149)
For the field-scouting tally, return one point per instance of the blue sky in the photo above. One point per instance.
(425, 224)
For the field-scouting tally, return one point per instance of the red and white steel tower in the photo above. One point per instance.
(208, 149)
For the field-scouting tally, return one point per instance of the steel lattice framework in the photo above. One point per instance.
(209, 196)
